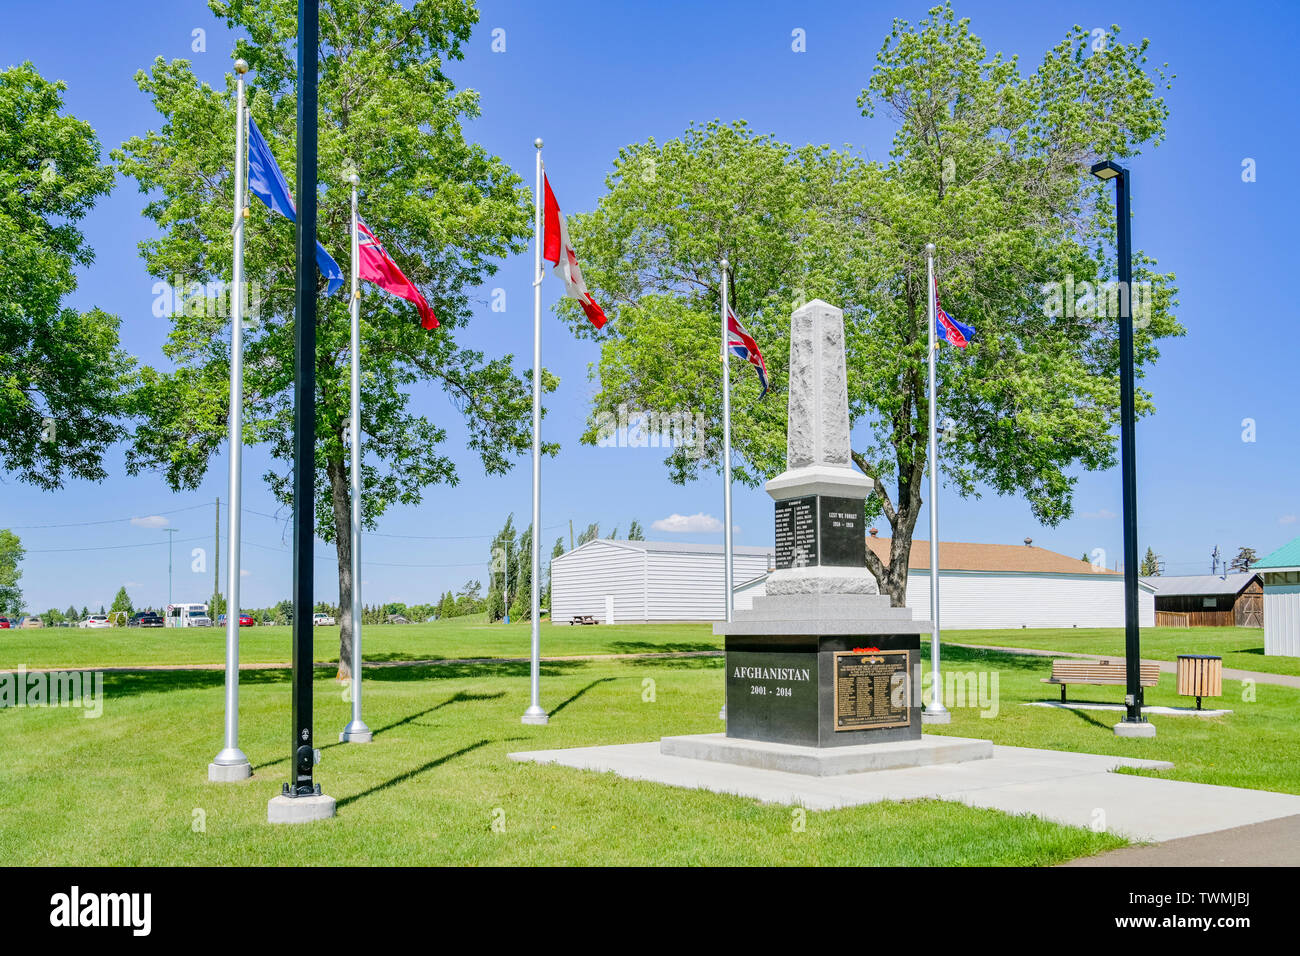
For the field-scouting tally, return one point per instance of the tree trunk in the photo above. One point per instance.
(341, 499)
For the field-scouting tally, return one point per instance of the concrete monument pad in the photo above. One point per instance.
(826, 762)
(1055, 785)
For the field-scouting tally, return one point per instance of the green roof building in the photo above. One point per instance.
(1281, 573)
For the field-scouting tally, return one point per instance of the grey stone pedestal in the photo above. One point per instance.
(229, 773)
(283, 809)
(1128, 728)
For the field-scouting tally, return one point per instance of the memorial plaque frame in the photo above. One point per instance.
(903, 670)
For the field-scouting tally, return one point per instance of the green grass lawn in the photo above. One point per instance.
(453, 638)
(1255, 746)
(1240, 647)
(128, 787)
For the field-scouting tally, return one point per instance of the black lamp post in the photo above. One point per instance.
(301, 748)
(1133, 723)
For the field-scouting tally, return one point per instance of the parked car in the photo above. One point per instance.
(149, 619)
(200, 620)
(4, 623)
(323, 620)
(245, 620)
(96, 620)
(32, 621)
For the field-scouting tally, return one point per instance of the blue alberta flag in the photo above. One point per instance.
(269, 185)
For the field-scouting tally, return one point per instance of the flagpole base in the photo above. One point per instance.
(536, 716)
(229, 766)
(936, 713)
(356, 733)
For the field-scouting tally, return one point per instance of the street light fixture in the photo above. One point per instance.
(1133, 724)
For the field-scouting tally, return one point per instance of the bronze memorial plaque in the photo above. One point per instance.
(872, 689)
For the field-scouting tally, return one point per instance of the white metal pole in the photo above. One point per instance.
(356, 731)
(535, 714)
(727, 582)
(231, 763)
(935, 712)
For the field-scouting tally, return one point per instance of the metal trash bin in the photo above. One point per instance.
(1200, 675)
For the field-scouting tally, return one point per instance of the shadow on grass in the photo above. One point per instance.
(563, 704)
(676, 663)
(132, 683)
(419, 672)
(411, 774)
(948, 655)
(652, 647)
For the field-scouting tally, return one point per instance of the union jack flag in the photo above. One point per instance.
(742, 345)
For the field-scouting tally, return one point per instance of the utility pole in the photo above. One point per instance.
(169, 532)
(1214, 560)
(216, 561)
(570, 534)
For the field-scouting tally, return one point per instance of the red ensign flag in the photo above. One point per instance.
(376, 266)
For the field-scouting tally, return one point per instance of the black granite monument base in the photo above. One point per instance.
(824, 691)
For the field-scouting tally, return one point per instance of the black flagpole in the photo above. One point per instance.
(301, 750)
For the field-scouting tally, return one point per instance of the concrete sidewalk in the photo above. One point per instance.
(1071, 788)
(1271, 843)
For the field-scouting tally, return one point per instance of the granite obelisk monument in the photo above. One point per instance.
(822, 659)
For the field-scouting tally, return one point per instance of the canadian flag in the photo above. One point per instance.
(557, 249)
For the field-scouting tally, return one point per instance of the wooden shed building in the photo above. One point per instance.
(1209, 600)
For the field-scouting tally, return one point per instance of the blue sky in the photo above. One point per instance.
(603, 75)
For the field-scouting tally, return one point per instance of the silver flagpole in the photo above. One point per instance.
(535, 714)
(935, 712)
(356, 732)
(230, 763)
(727, 562)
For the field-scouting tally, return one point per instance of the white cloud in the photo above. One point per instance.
(1286, 519)
(150, 521)
(244, 572)
(688, 524)
(1104, 513)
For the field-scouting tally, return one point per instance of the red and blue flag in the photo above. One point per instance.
(742, 345)
(949, 329)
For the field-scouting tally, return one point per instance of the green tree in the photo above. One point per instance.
(70, 615)
(469, 599)
(1244, 559)
(63, 379)
(11, 557)
(988, 162)
(54, 617)
(521, 579)
(634, 532)
(556, 550)
(85, 613)
(503, 583)
(1150, 566)
(122, 602)
(445, 209)
(591, 534)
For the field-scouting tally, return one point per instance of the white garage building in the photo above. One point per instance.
(981, 585)
(1281, 573)
(618, 581)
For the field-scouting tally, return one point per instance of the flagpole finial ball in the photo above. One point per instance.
(725, 265)
(929, 248)
(538, 142)
(241, 66)
(354, 179)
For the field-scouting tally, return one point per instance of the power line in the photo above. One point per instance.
(113, 547)
(83, 524)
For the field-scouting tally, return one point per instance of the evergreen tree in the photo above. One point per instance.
(521, 589)
(1244, 559)
(123, 602)
(1150, 565)
(634, 532)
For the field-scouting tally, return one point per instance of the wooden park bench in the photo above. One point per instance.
(1100, 672)
(583, 619)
